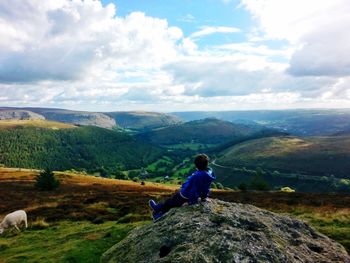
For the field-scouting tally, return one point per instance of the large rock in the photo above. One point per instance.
(218, 231)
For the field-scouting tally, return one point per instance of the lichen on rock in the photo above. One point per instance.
(218, 231)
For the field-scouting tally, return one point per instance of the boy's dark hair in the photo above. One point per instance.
(201, 161)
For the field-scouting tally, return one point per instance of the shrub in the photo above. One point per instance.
(136, 179)
(46, 181)
(258, 183)
(259, 171)
(219, 186)
(287, 190)
(276, 174)
(213, 185)
(242, 186)
(39, 223)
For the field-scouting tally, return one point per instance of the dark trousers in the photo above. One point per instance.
(175, 201)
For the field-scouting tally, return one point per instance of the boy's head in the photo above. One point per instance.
(201, 161)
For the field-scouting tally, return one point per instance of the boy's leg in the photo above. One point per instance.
(175, 201)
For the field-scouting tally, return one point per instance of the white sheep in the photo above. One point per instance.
(14, 219)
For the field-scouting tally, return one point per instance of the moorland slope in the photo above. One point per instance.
(322, 156)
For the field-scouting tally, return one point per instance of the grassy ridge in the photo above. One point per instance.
(10, 124)
(322, 156)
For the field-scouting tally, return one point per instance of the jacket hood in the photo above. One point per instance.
(209, 172)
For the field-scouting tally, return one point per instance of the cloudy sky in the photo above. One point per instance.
(175, 55)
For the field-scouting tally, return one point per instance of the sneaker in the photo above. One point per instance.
(153, 205)
(157, 216)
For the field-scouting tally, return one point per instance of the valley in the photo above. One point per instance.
(157, 147)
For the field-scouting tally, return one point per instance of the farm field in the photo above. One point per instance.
(95, 213)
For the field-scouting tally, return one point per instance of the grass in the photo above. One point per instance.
(154, 166)
(9, 124)
(65, 241)
(334, 223)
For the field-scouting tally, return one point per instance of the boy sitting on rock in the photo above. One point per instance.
(197, 185)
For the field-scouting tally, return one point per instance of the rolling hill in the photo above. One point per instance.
(143, 121)
(85, 147)
(315, 122)
(321, 156)
(206, 131)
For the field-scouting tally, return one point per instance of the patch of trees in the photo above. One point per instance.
(89, 148)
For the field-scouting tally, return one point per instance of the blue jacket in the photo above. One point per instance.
(197, 185)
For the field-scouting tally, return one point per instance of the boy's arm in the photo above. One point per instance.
(205, 193)
(206, 190)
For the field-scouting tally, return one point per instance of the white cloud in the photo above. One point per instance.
(209, 30)
(81, 54)
(249, 48)
(188, 18)
(232, 76)
(318, 28)
(69, 40)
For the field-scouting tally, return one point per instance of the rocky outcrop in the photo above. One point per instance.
(81, 118)
(218, 231)
(19, 115)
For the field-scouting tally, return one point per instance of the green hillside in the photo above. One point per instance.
(207, 131)
(321, 156)
(82, 147)
(142, 120)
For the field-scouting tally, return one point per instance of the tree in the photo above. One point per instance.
(219, 186)
(242, 186)
(258, 183)
(46, 181)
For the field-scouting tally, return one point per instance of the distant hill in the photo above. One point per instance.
(297, 122)
(206, 131)
(82, 118)
(314, 155)
(9, 114)
(82, 147)
(143, 121)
